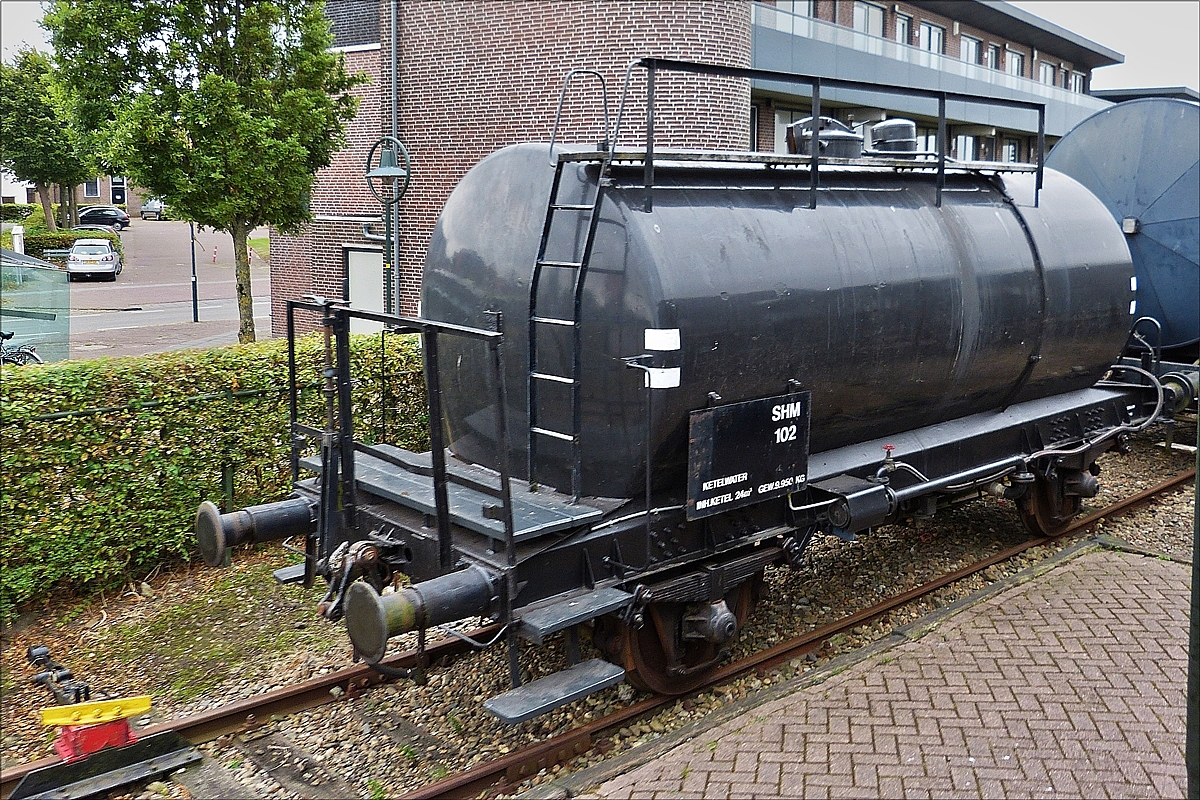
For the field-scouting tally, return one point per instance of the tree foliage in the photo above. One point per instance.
(225, 108)
(39, 143)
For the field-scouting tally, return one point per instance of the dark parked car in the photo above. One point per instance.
(105, 215)
(101, 228)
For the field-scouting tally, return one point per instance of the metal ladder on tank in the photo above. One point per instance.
(541, 326)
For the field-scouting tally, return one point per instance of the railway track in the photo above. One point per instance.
(246, 717)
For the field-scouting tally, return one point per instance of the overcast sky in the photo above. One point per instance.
(1160, 40)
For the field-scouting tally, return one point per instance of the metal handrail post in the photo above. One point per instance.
(341, 332)
(814, 147)
(941, 144)
(437, 449)
(648, 166)
(293, 400)
(1041, 164)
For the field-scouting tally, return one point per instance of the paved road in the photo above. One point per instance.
(148, 309)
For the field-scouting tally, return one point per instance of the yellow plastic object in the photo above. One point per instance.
(92, 713)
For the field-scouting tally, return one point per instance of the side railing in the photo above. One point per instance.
(336, 438)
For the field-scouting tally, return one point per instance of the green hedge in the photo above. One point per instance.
(16, 212)
(105, 461)
(36, 244)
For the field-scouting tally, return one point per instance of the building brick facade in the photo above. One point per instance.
(473, 77)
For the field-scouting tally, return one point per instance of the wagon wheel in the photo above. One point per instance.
(1045, 510)
(646, 650)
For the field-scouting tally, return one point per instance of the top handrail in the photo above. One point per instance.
(562, 96)
(652, 64)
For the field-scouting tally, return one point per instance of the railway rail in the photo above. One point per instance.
(244, 716)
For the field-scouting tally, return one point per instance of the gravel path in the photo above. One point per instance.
(401, 736)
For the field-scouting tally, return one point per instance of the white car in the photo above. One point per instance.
(152, 207)
(93, 257)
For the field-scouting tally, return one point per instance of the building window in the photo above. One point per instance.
(969, 50)
(933, 38)
(754, 128)
(801, 7)
(1016, 64)
(91, 188)
(1010, 151)
(1046, 73)
(903, 29)
(993, 56)
(927, 140)
(868, 18)
(1077, 82)
(783, 118)
(964, 148)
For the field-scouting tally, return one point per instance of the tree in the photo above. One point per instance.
(38, 144)
(225, 108)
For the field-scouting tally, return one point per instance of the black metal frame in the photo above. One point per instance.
(652, 65)
(337, 440)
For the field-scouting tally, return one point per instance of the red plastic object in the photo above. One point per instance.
(77, 741)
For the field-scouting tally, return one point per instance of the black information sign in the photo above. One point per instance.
(747, 452)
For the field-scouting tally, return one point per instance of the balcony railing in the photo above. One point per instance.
(765, 16)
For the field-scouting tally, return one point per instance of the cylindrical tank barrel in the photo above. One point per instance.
(1141, 159)
(893, 311)
(215, 532)
(372, 618)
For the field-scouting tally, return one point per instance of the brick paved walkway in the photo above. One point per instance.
(1072, 685)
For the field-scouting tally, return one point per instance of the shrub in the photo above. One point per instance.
(38, 243)
(105, 461)
(16, 212)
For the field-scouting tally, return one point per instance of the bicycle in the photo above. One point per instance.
(19, 355)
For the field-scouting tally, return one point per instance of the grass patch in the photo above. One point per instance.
(261, 246)
(195, 643)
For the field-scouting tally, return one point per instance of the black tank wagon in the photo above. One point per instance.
(652, 375)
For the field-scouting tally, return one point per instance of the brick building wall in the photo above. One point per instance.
(312, 262)
(476, 76)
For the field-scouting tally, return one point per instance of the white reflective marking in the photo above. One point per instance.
(1133, 283)
(657, 378)
(1132, 307)
(662, 338)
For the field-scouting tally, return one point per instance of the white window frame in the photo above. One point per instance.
(91, 187)
(906, 21)
(1014, 64)
(1047, 70)
(962, 49)
(993, 57)
(1078, 82)
(926, 37)
(964, 147)
(802, 8)
(866, 13)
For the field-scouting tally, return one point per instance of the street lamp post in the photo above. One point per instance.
(388, 181)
